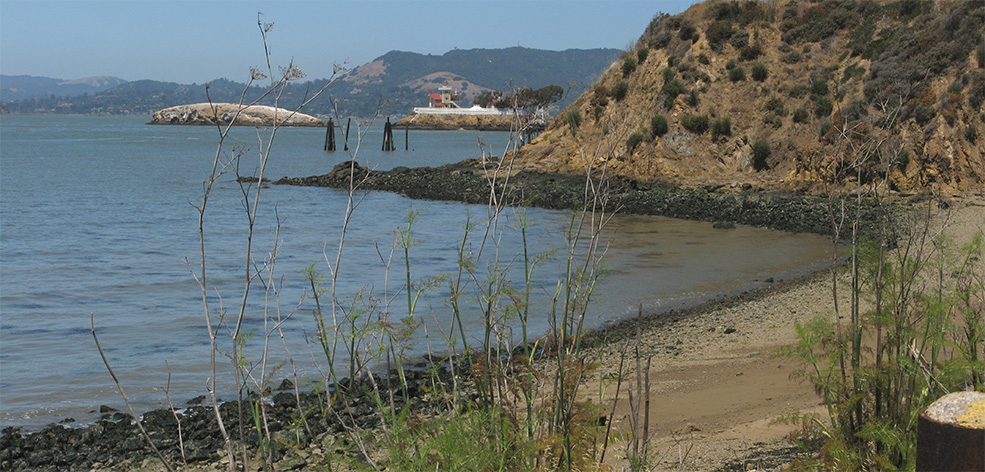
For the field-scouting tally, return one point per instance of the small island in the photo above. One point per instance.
(226, 113)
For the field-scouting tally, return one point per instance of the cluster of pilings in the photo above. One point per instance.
(388, 144)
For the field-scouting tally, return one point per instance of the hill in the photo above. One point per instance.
(789, 96)
(23, 87)
(400, 79)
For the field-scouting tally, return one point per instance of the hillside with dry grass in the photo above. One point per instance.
(797, 96)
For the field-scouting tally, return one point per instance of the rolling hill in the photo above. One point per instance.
(399, 80)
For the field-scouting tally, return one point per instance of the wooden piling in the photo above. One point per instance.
(347, 125)
(388, 136)
(406, 138)
(330, 136)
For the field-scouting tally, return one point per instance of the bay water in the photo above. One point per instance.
(97, 217)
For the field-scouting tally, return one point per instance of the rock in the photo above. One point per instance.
(224, 113)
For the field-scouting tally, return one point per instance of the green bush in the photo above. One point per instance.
(628, 65)
(703, 58)
(687, 32)
(642, 53)
(718, 33)
(737, 74)
(825, 128)
(691, 99)
(573, 119)
(672, 61)
(750, 53)
(669, 74)
(658, 126)
(823, 106)
(774, 104)
(739, 39)
(851, 72)
(819, 88)
(633, 140)
(798, 91)
(759, 72)
(619, 90)
(598, 110)
(800, 115)
(721, 127)
(922, 113)
(792, 58)
(695, 124)
(760, 152)
(672, 89)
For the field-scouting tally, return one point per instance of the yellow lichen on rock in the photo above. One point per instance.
(973, 417)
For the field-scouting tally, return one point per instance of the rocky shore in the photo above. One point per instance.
(307, 433)
(468, 181)
(224, 113)
(453, 122)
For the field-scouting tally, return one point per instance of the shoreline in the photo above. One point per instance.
(702, 354)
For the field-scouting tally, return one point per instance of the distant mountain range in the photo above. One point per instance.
(398, 80)
(22, 87)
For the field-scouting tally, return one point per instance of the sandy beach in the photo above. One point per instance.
(717, 388)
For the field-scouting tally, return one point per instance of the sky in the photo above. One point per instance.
(198, 41)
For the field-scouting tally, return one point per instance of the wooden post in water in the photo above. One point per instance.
(406, 137)
(347, 125)
(388, 136)
(330, 136)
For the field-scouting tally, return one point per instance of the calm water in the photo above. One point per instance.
(97, 217)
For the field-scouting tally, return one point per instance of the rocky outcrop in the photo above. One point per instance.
(449, 122)
(224, 113)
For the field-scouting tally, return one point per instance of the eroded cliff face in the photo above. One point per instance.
(224, 113)
(802, 96)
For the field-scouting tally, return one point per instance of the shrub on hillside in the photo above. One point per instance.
(619, 90)
(601, 95)
(628, 65)
(792, 58)
(688, 32)
(737, 74)
(775, 104)
(823, 106)
(691, 99)
(573, 119)
(668, 74)
(696, 124)
(739, 39)
(826, 128)
(672, 89)
(760, 152)
(750, 53)
(658, 126)
(721, 127)
(634, 140)
(759, 72)
(742, 13)
(718, 33)
(800, 115)
(819, 88)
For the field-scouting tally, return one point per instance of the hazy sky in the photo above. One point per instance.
(197, 41)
